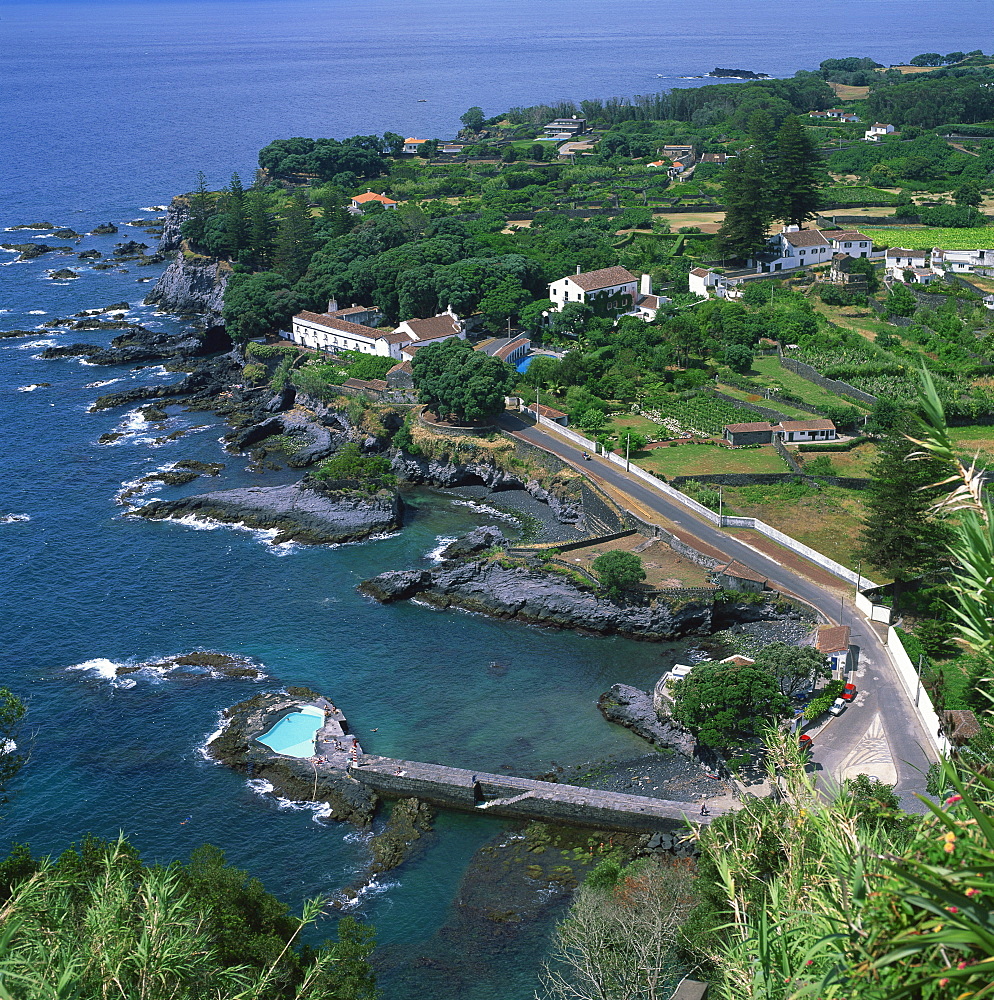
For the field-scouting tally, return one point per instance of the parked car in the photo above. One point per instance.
(805, 741)
(849, 692)
(838, 706)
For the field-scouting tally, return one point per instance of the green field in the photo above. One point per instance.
(785, 409)
(702, 459)
(769, 372)
(926, 238)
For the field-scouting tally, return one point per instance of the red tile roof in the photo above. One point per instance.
(739, 572)
(442, 325)
(742, 428)
(805, 425)
(361, 199)
(546, 411)
(590, 281)
(700, 272)
(848, 234)
(338, 325)
(805, 238)
(834, 639)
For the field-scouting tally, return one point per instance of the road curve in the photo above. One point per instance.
(880, 733)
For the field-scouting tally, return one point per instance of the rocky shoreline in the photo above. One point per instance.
(300, 512)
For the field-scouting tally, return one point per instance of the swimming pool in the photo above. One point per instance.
(293, 736)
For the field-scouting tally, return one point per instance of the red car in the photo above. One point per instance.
(849, 692)
(805, 741)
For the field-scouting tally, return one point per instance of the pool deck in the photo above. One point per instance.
(333, 742)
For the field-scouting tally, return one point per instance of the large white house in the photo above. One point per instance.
(795, 247)
(610, 291)
(876, 130)
(961, 260)
(361, 201)
(851, 241)
(331, 332)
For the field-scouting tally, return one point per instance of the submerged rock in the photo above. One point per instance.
(474, 542)
(300, 514)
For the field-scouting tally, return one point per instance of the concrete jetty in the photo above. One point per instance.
(523, 798)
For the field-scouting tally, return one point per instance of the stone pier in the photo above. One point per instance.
(523, 798)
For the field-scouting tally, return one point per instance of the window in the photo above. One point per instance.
(848, 244)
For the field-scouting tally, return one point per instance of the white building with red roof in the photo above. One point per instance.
(850, 241)
(361, 201)
(609, 291)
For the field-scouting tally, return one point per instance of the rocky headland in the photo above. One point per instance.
(192, 285)
(305, 512)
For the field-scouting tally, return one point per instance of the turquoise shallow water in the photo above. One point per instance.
(111, 107)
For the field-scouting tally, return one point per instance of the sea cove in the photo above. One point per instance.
(111, 108)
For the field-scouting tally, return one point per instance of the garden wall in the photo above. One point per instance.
(829, 384)
(908, 672)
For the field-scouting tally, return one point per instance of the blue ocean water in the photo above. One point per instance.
(112, 106)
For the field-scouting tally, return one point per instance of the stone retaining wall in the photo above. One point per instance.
(829, 384)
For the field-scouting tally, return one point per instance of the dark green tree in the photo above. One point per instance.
(503, 303)
(473, 119)
(394, 143)
(795, 668)
(537, 151)
(968, 194)
(454, 380)
(618, 571)
(794, 189)
(723, 703)
(900, 536)
(747, 214)
(294, 239)
(201, 208)
(900, 301)
(258, 304)
(238, 223)
(927, 59)
(261, 231)
(371, 471)
(509, 155)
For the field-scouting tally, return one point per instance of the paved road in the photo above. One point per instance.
(879, 734)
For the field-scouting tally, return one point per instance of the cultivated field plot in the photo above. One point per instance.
(791, 412)
(925, 238)
(973, 439)
(698, 416)
(771, 373)
(855, 463)
(663, 566)
(702, 459)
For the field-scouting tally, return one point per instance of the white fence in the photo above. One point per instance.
(908, 672)
(579, 439)
(875, 612)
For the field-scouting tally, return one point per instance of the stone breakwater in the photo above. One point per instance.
(298, 513)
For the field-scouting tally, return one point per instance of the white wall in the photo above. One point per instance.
(908, 672)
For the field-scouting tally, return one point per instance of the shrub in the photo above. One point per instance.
(372, 472)
(618, 571)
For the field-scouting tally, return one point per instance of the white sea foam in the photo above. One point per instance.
(7, 746)
(154, 208)
(443, 542)
(99, 667)
(88, 364)
(100, 385)
(376, 886)
(33, 344)
(159, 670)
(36, 312)
(14, 518)
(260, 786)
(484, 509)
(30, 388)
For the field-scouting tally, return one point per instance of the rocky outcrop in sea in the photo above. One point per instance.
(539, 598)
(290, 777)
(139, 344)
(300, 512)
(192, 285)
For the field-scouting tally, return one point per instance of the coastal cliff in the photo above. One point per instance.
(192, 285)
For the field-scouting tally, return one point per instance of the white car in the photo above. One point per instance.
(838, 707)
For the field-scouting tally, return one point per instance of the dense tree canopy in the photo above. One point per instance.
(456, 381)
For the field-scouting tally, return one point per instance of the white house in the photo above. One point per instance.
(833, 643)
(330, 332)
(361, 201)
(796, 247)
(897, 260)
(963, 261)
(876, 130)
(413, 145)
(706, 284)
(989, 301)
(852, 242)
(805, 430)
(608, 291)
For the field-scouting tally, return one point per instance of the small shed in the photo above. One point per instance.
(760, 432)
(833, 642)
(960, 726)
(541, 410)
(736, 576)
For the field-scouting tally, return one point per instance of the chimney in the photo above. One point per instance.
(577, 268)
(646, 286)
(332, 305)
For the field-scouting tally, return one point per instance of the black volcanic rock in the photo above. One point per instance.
(300, 514)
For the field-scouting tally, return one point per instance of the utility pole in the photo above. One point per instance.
(918, 688)
(859, 567)
(628, 442)
(720, 516)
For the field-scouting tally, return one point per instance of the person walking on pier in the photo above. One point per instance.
(704, 809)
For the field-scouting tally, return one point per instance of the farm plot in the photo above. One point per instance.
(709, 459)
(699, 415)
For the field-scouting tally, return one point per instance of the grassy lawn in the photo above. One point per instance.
(770, 404)
(854, 463)
(829, 519)
(700, 459)
(981, 238)
(769, 372)
(973, 439)
(663, 567)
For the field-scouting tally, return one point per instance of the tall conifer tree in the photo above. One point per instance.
(747, 215)
(794, 191)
